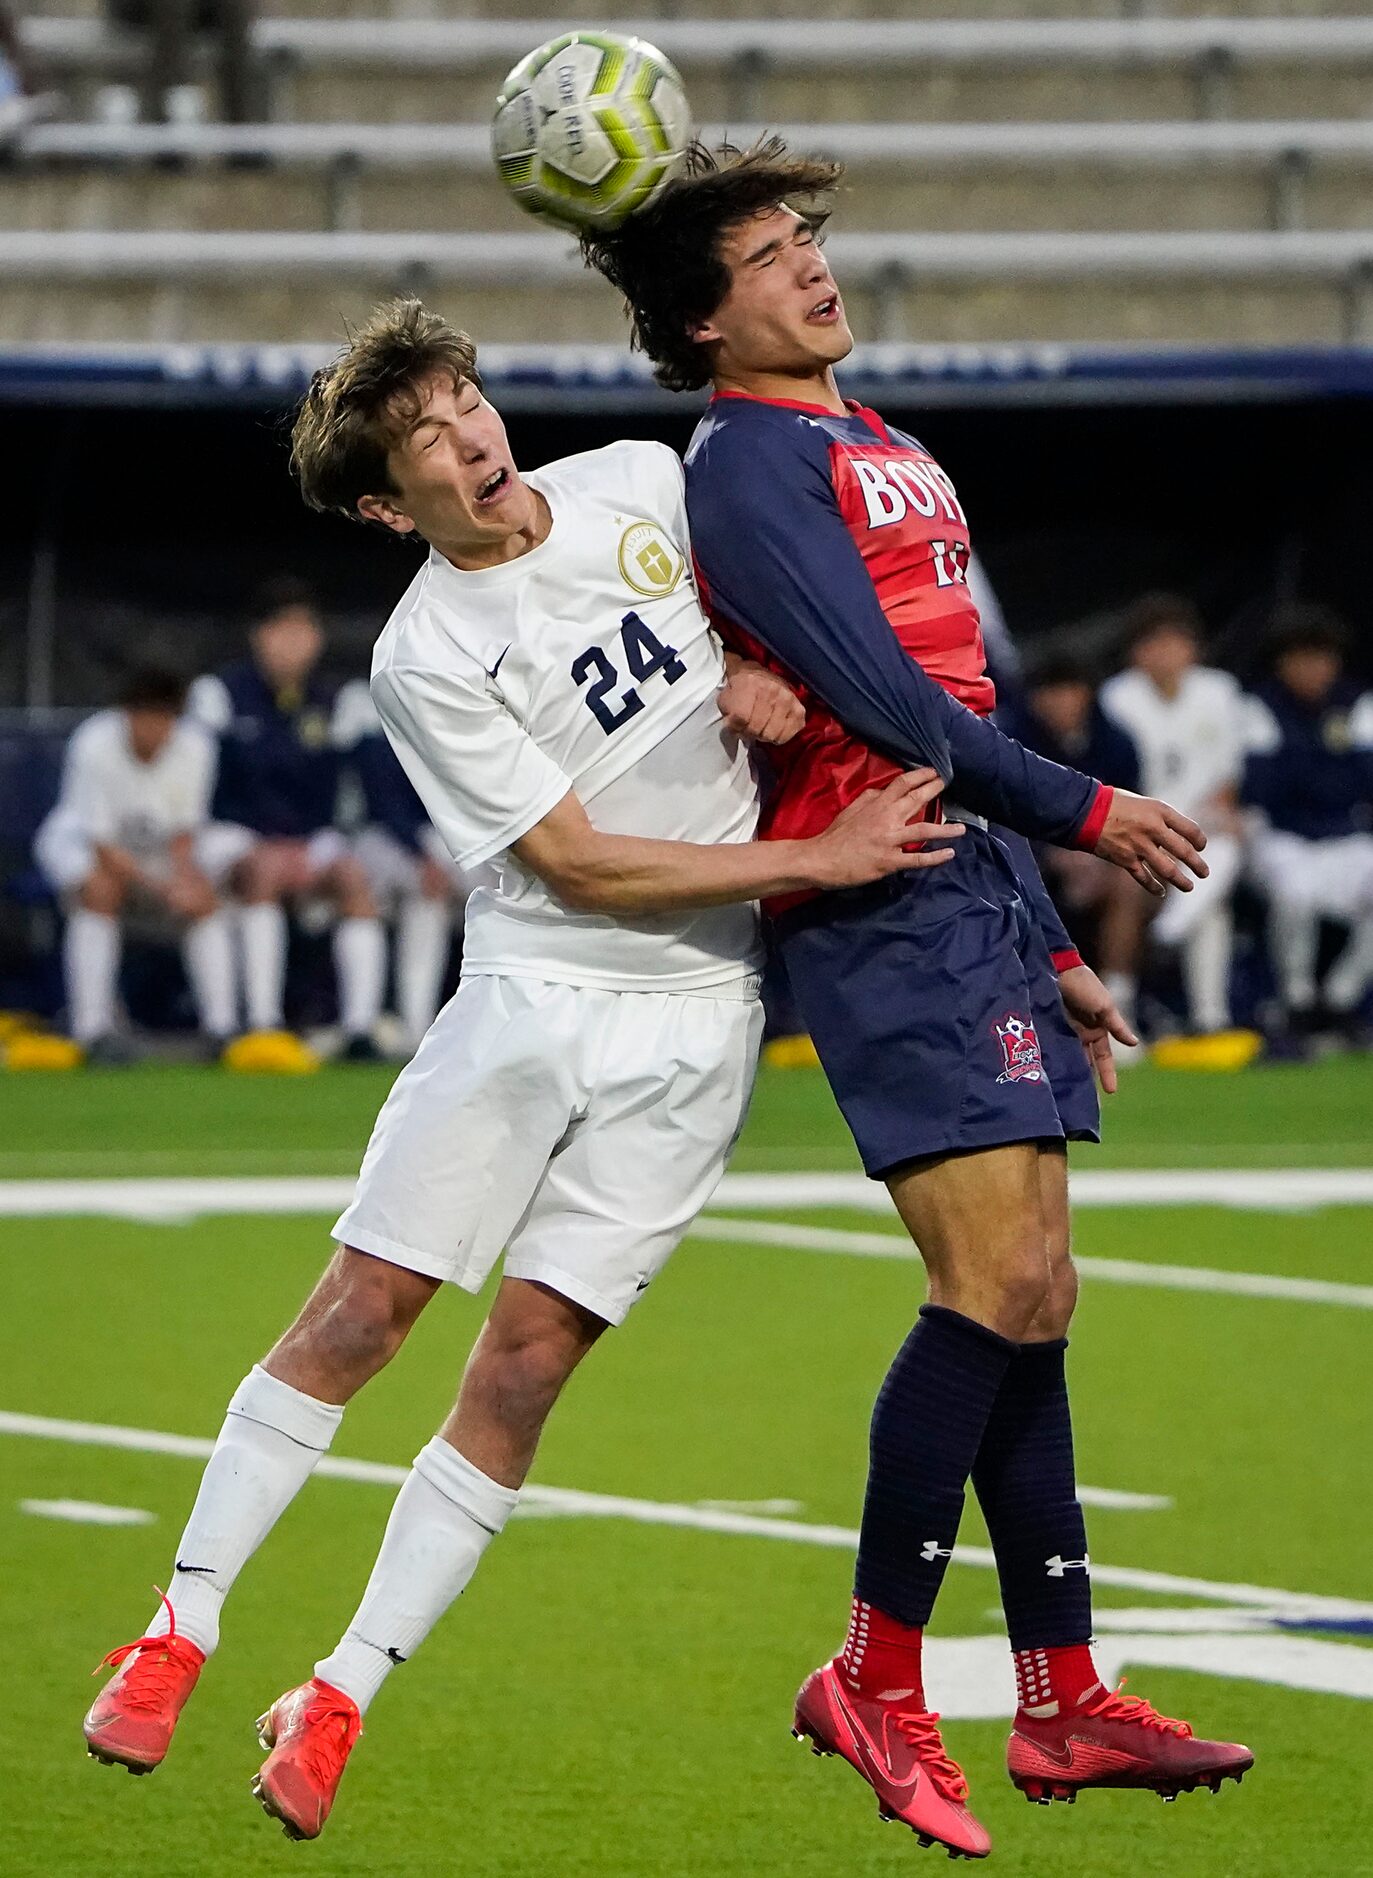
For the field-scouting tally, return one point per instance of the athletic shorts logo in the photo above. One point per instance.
(1019, 1049)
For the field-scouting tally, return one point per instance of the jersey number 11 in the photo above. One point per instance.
(644, 655)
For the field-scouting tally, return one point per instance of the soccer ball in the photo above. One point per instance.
(589, 127)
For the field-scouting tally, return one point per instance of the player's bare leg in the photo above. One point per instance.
(1069, 1730)
(281, 1419)
(464, 1486)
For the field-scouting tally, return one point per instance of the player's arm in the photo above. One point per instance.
(631, 877)
(775, 554)
(757, 704)
(489, 788)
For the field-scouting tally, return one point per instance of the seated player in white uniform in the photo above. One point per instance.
(130, 840)
(1308, 784)
(413, 878)
(1186, 720)
(560, 704)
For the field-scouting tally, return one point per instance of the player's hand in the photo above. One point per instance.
(756, 703)
(871, 837)
(1093, 1014)
(188, 894)
(1156, 845)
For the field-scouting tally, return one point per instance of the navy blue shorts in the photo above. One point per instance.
(935, 1009)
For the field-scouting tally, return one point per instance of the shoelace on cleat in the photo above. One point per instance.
(1111, 1705)
(157, 1672)
(330, 1727)
(921, 1730)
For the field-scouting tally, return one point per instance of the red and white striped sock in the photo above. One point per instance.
(881, 1658)
(1052, 1681)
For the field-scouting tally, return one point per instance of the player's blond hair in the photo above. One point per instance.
(359, 405)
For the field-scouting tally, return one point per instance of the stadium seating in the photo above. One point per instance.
(1063, 172)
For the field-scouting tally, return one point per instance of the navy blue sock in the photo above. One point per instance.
(926, 1430)
(1027, 1488)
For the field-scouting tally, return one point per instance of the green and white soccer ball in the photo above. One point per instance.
(589, 127)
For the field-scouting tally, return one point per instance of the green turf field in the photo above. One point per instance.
(612, 1695)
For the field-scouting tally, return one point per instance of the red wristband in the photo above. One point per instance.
(1090, 832)
(1066, 961)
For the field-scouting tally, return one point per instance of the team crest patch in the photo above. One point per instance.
(1020, 1049)
(648, 563)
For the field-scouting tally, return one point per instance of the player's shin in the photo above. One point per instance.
(444, 1517)
(209, 952)
(272, 1437)
(422, 952)
(1026, 1485)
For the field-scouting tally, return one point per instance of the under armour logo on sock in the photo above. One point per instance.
(1058, 1566)
(209, 1570)
(931, 1550)
(394, 1654)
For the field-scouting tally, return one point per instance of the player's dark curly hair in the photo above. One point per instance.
(665, 260)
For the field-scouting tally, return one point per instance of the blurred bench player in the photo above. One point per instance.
(563, 709)
(836, 550)
(1309, 779)
(1186, 722)
(408, 869)
(278, 788)
(130, 840)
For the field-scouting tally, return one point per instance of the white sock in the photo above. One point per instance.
(90, 960)
(267, 1449)
(360, 961)
(1349, 975)
(422, 953)
(1206, 969)
(444, 1518)
(262, 929)
(1294, 934)
(209, 953)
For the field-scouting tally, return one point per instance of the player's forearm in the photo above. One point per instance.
(1001, 779)
(630, 877)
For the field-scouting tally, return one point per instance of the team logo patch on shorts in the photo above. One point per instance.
(1020, 1049)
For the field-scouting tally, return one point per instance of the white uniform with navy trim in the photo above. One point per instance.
(577, 1100)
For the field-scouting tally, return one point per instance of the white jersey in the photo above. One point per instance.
(586, 664)
(110, 796)
(1191, 747)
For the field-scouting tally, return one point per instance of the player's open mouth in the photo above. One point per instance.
(495, 486)
(826, 312)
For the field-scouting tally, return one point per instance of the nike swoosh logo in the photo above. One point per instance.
(208, 1570)
(499, 662)
(870, 1761)
(394, 1654)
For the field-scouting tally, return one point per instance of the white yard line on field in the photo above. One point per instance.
(1270, 1189)
(88, 1512)
(169, 1202)
(891, 1245)
(567, 1502)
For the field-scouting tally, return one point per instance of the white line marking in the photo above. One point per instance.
(88, 1512)
(890, 1245)
(1120, 1502)
(568, 1501)
(1265, 1189)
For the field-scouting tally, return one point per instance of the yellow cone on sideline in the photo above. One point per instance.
(791, 1053)
(34, 1049)
(270, 1053)
(1223, 1050)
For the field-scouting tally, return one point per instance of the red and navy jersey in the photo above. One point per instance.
(835, 551)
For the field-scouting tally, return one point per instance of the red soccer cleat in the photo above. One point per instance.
(1116, 1740)
(131, 1721)
(310, 1731)
(899, 1753)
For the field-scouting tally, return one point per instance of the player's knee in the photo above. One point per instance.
(529, 1363)
(1023, 1293)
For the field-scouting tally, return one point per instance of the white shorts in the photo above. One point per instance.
(225, 844)
(393, 870)
(582, 1131)
(1333, 878)
(66, 854)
